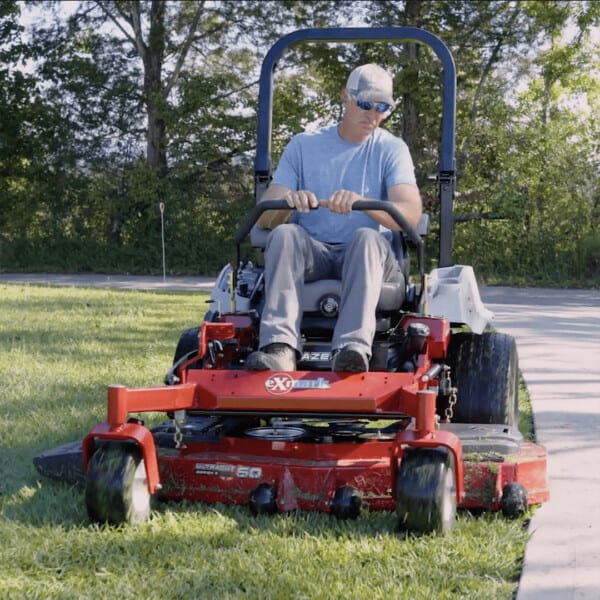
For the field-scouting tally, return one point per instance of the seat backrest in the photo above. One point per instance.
(315, 292)
(258, 237)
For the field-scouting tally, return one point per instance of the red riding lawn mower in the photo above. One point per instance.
(431, 427)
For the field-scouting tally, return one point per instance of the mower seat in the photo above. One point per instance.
(391, 296)
(320, 303)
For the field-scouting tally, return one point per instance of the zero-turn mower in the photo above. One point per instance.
(431, 427)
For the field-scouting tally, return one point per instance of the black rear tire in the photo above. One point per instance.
(188, 342)
(484, 369)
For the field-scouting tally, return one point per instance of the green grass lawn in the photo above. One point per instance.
(59, 349)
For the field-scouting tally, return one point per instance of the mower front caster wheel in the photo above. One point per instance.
(426, 491)
(514, 501)
(116, 489)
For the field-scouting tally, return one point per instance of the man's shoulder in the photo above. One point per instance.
(390, 146)
(387, 137)
(315, 134)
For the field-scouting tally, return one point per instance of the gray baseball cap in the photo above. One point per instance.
(371, 83)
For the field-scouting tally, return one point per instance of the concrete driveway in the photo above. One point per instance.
(558, 341)
(121, 282)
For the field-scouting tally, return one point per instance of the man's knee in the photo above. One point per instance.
(284, 237)
(368, 245)
(367, 238)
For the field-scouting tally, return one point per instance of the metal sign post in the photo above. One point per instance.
(161, 206)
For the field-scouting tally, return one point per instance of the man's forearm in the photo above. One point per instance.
(271, 218)
(410, 208)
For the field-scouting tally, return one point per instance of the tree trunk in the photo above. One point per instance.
(113, 230)
(156, 153)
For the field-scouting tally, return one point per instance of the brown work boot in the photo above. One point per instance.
(350, 359)
(273, 357)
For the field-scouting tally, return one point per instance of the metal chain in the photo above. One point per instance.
(449, 412)
(448, 390)
(178, 420)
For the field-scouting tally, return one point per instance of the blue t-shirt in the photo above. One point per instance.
(323, 163)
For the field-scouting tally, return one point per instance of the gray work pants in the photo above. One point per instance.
(292, 257)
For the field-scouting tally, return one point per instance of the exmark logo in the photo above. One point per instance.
(282, 383)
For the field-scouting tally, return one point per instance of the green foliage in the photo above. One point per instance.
(106, 123)
(59, 349)
(589, 255)
(537, 178)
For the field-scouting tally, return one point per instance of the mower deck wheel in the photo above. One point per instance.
(116, 489)
(426, 491)
(514, 502)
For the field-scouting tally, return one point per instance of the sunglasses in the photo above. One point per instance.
(380, 107)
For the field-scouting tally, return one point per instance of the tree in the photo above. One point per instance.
(135, 102)
(523, 139)
(128, 18)
(29, 135)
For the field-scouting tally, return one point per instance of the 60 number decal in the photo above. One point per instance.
(228, 470)
(248, 472)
